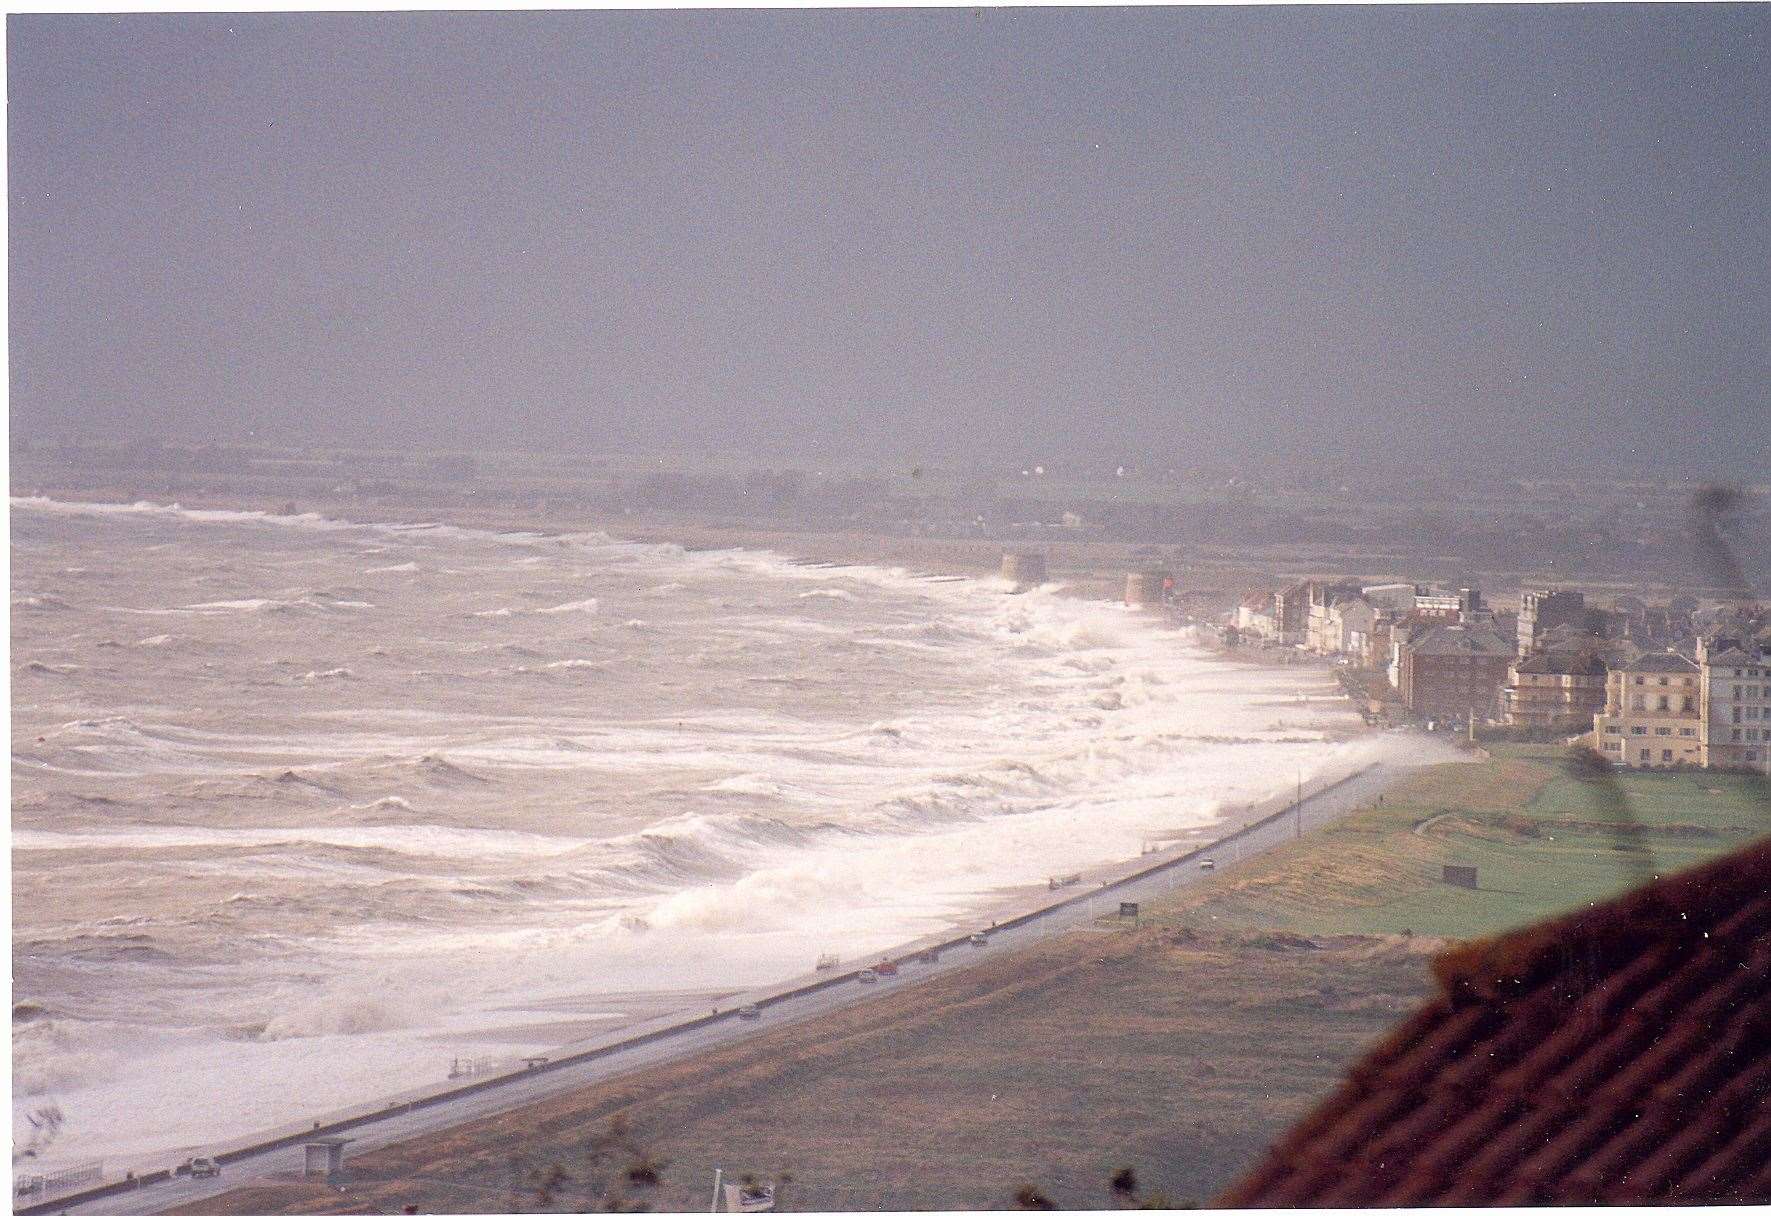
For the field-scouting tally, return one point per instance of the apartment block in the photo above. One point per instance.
(1653, 715)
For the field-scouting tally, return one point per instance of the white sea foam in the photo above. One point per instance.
(587, 605)
(516, 775)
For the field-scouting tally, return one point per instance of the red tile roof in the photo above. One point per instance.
(1618, 1055)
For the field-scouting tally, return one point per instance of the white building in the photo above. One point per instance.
(1736, 687)
(1390, 597)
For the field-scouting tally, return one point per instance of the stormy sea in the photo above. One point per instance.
(306, 811)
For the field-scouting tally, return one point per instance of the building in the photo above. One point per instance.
(1441, 605)
(1653, 715)
(1541, 611)
(1617, 1055)
(1291, 614)
(1350, 624)
(1555, 691)
(1324, 633)
(1255, 616)
(1395, 598)
(1453, 671)
(1736, 698)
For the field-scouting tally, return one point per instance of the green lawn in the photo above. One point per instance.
(1543, 841)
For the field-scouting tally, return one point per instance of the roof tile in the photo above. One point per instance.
(1623, 1052)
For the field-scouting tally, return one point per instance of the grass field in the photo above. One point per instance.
(1543, 841)
(1181, 1048)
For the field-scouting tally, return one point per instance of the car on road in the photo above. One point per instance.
(978, 939)
(888, 967)
(750, 1013)
(1208, 864)
(868, 975)
(204, 1167)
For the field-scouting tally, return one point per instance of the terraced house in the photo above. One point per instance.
(1736, 692)
(1556, 691)
(1653, 716)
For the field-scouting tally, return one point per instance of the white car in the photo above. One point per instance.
(1208, 864)
(868, 976)
(204, 1167)
(978, 939)
(750, 1013)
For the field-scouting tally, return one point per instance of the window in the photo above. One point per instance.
(1666, 754)
(1647, 756)
(1687, 731)
(1639, 703)
(1663, 681)
(1663, 730)
(1613, 729)
(1734, 736)
(1638, 730)
(1640, 680)
(1689, 705)
(1617, 747)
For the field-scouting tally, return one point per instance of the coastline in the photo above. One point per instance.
(1230, 820)
(391, 1119)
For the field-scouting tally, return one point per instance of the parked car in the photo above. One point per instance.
(1208, 864)
(749, 1013)
(978, 939)
(868, 976)
(888, 967)
(204, 1167)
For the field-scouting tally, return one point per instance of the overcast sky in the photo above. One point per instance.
(1393, 234)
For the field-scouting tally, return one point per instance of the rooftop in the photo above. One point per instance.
(1563, 663)
(1663, 662)
(1460, 639)
(1618, 1055)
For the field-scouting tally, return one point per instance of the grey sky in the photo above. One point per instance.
(1365, 234)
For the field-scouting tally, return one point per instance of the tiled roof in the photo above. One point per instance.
(1457, 639)
(1665, 663)
(1618, 1055)
(1563, 663)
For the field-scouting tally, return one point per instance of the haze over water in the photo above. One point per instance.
(304, 809)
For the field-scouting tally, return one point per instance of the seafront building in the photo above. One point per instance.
(1453, 670)
(1736, 696)
(1653, 716)
(1555, 691)
(1699, 696)
(1542, 611)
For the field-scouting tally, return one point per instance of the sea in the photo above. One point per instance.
(306, 811)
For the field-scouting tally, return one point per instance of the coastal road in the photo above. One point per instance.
(681, 1035)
